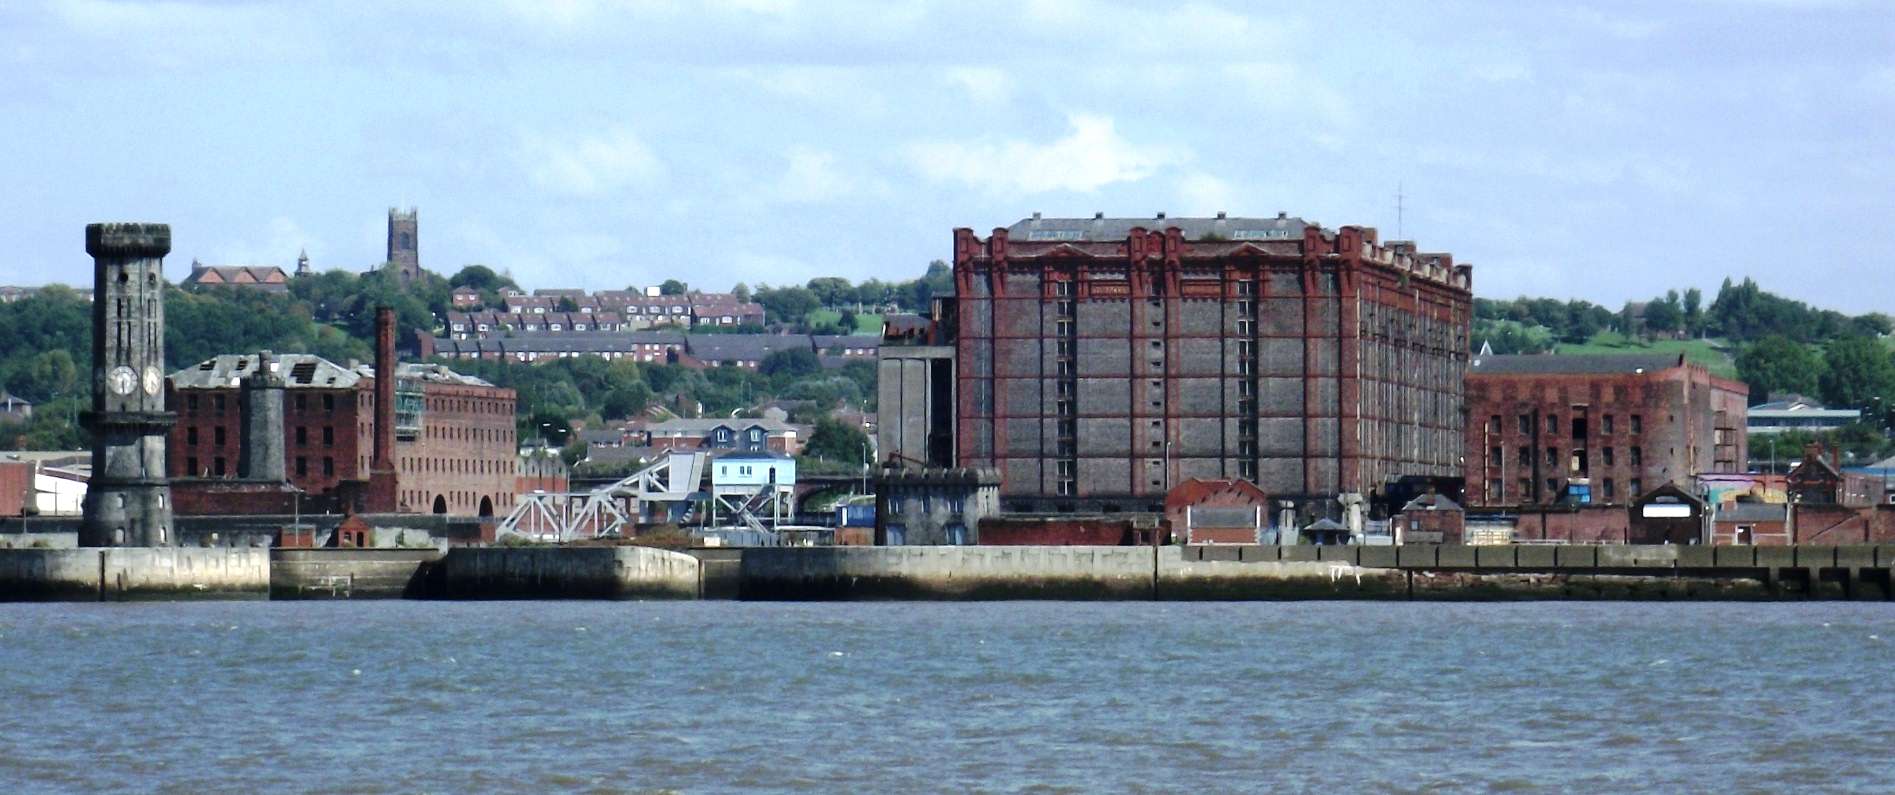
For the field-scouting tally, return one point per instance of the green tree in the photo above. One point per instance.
(1663, 317)
(1694, 311)
(1776, 365)
(831, 290)
(741, 292)
(50, 374)
(787, 305)
(673, 287)
(480, 277)
(837, 442)
(1856, 371)
(788, 365)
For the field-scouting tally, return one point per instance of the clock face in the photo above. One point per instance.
(153, 381)
(122, 380)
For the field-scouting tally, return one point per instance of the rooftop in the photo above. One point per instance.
(1101, 228)
(1549, 364)
(296, 369)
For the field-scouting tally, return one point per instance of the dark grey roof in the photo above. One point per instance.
(742, 347)
(694, 425)
(1549, 364)
(827, 341)
(297, 370)
(1282, 227)
(563, 342)
(1437, 502)
(1751, 512)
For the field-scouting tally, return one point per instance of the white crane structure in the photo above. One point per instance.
(614, 509)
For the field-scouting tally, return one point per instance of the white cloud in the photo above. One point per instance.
(817, 176)
(1615, 25)
(277, 243)
(1091, 156)
(985, 85)
(593, 165)
(1204, 194)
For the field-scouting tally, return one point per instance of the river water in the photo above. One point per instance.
(903, 697)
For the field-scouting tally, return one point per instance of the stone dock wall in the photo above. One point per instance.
(783, 573)
(568, 573)
(355, 573)
(947, 573)
(116, 574)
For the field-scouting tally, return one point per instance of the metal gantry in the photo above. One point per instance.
(608, 510)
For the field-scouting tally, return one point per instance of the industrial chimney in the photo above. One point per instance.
(382, 490)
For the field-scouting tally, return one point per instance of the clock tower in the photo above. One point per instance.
(128, 502)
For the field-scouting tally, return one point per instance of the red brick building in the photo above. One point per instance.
(454, 449)
(1211, 511)
(1619, 425)
(1100, 361)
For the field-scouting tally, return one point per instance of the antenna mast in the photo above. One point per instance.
(1398, 212)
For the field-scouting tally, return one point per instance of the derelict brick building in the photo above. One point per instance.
(1621, 425)
(1099, 361)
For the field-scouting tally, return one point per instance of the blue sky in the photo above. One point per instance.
(1604, 151)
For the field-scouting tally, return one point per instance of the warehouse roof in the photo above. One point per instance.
(1549, 364)
(1099, 227)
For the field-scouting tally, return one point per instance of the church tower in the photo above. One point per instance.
(404, 244)
(128, 502)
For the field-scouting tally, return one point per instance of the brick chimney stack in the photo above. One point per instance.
(382, 492)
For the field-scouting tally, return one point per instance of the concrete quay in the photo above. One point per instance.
(104, 574)
(355, 573)
(1419, 572)
(568, 573)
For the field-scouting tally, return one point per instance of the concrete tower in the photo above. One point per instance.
(128, 502)
(404, 244)
(261, 455)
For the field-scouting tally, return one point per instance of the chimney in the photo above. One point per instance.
(384, 490)
(260, 455)
(384, 460)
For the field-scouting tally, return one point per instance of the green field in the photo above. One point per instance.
(865, 323)
(1708, 352)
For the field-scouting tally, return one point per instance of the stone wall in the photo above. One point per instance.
(568, 573)
(126, 573)
(947, 573)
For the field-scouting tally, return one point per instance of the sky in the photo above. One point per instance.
(1605, 151)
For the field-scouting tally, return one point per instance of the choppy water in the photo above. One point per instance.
(718, 696)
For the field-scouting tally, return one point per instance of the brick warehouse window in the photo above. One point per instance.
(1525, 458)
(1493, 424)
(1526, 424)
(302, 436)
(1638, 424)
(1552, 424)
(1606, 455)
(217, 436)
(1638, 456)
(1605, 424)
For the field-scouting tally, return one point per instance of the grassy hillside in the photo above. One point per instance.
(1712, 353)
(865, 323)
